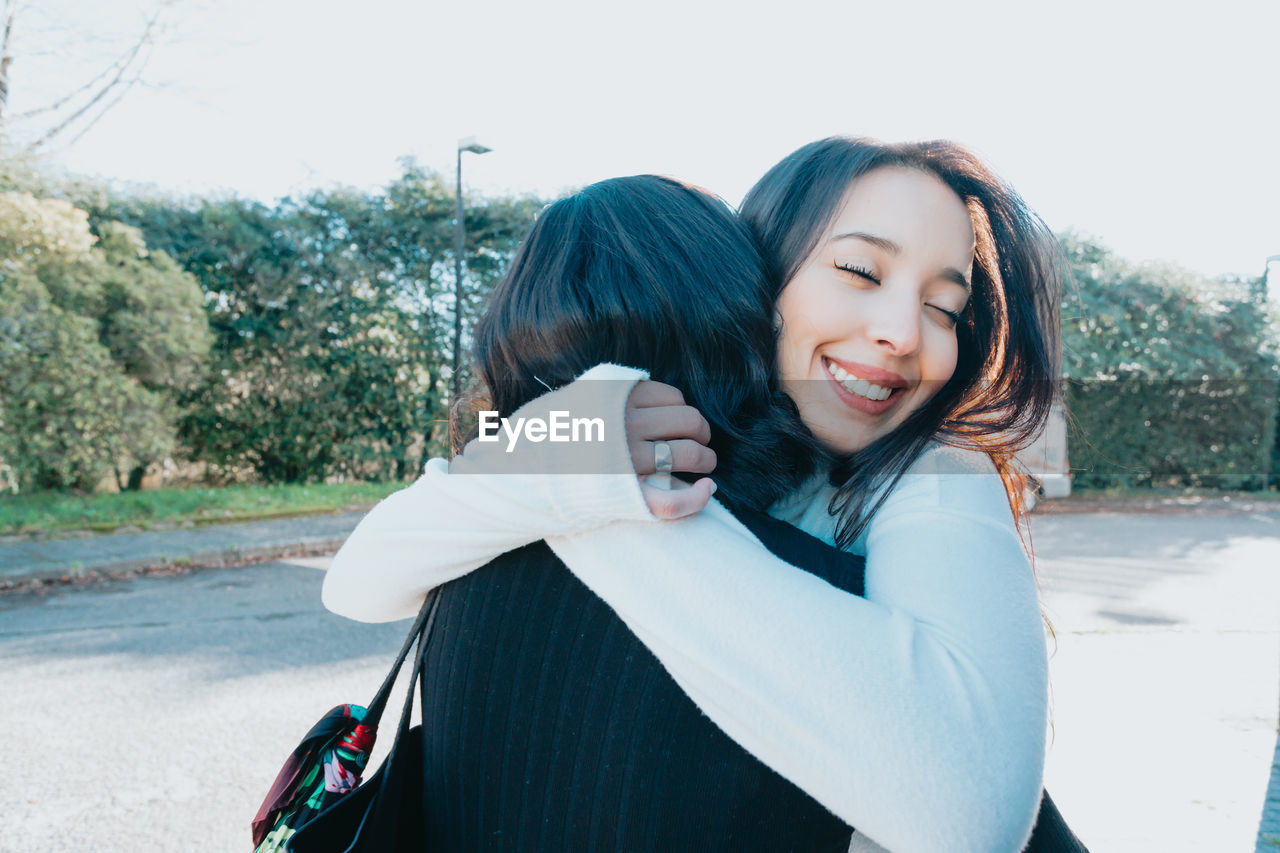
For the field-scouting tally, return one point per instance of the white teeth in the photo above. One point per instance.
(854, 385)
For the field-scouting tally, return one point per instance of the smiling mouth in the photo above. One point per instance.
(858, 387)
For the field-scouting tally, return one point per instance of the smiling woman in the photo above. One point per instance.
(869, 320)
(914, 233)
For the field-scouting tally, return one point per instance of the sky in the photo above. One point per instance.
(1153, 128)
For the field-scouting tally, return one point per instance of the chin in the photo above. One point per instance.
(840, 439)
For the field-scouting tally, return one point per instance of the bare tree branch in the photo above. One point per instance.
(100, 93)
(115, 82)
(120, 63)
(88, 125)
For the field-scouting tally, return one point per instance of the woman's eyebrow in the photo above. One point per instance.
(954, 275)
(879, 242)
(949, 273)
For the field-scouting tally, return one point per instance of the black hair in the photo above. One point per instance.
(1004, 383)
(648, 272)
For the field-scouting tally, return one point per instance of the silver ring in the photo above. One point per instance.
(662, 457)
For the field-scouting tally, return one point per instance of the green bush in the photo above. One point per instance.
(95, 336)
(332, 316)
(1171, 379)
(1150, 433)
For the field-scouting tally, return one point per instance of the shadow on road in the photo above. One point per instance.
(1117, 559)
(227, 622)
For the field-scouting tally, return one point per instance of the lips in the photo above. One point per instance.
(875, 375)
(853, 383)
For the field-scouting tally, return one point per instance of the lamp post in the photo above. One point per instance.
(467, 143)
(1266, 275)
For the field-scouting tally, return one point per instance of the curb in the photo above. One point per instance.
(219, 558)
(1269, 826)
(1144, 506)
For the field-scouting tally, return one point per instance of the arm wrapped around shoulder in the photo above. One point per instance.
(489, 500)
(917, 715)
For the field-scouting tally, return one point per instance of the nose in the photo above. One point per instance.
(894, 325)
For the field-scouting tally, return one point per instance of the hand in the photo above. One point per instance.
(657, 412)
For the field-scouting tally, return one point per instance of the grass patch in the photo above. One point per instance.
(1188, 493)
(1163, 500)
(53, 512)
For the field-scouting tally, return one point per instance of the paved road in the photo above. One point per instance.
(153, 713)
(1165, 679)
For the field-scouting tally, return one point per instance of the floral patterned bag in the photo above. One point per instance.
(329, 762)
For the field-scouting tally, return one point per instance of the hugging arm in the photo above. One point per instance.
(916, 715)
(489, 500)
(459, 515)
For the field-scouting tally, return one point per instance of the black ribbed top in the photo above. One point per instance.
(549, 726)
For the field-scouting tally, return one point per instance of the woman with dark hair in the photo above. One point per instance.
(551, 725)
(917, 301)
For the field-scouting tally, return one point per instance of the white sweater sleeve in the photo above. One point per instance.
(460, 515)
(917, 714)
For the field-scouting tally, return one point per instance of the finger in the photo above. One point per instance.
(664, 423)
(678, 503)
(686, 455)
(648, 393)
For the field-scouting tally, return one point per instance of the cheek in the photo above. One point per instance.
(806, 308)
(939, 363)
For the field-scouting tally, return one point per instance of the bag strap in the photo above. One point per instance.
(412, 693)
(392, 808)
(421, 628)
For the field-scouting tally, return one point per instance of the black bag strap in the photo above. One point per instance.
(394, 819)
(421, 627)
(412, 693)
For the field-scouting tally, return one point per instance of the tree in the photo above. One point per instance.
(94, 338)
(152, 321)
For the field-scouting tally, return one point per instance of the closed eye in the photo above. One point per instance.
(860, 272)
(953, 316)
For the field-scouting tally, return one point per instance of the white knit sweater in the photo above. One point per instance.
(916, 714)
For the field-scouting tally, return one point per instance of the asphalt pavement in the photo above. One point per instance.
(153, 712)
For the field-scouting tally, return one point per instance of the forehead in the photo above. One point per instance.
(912, 208)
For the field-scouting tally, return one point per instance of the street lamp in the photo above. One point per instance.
(467, 143)
(1266, 274)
